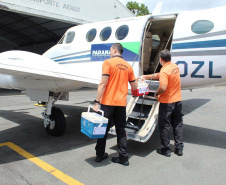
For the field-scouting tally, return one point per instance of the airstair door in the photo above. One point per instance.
(142, 115)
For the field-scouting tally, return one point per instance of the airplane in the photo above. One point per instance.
(196, 39)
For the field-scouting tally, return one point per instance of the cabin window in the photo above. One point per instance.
(105, 33)
(70, 37)
(122, 32)
(61, 40)
(202, 26)
(90, 36)
(155, 41)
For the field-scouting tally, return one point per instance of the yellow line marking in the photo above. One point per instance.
(45, 166)
(39, 105)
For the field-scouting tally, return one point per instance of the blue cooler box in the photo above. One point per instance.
(93, 125)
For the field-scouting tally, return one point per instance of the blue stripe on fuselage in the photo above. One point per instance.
(201, 44)
(75, 57)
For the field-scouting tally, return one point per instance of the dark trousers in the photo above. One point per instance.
(118, 115)
(171, 114)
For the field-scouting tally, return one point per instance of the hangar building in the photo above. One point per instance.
(37, 25)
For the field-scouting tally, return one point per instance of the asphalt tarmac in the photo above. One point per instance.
(28, 155)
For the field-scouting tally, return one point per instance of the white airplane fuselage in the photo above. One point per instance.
(200, 56)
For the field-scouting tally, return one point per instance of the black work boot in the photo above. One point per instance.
(117, 160)
(178, 152)
(160, 151)
(99, 159)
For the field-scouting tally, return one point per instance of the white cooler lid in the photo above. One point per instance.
(94, 117)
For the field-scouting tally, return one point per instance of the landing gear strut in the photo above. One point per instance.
(54, 120)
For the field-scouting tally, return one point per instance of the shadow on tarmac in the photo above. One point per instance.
(103, 163)
(9, 92)
(193, 104)
(30, 135)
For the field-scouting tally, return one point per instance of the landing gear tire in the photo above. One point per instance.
(60, 123)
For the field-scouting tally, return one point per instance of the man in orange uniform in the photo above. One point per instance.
(170, 109)
(112, 94)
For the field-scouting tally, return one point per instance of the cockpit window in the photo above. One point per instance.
(122, 32)
(202, 26)
(70, 37)
(61, 40)
(105, 34)
(90, 36)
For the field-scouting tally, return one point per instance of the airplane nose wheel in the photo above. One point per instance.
(58, 122)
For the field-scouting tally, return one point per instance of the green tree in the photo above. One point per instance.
(137, 9)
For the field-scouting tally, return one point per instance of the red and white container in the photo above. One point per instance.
(142, 89)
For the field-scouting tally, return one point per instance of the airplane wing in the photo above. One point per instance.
(22, 64)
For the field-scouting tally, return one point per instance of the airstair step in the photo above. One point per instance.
(150, 96)
(138, 115)
(130, 125)
(135, 117)
(138, 108)
(146, 101)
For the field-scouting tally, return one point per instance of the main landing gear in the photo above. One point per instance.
(54, 120)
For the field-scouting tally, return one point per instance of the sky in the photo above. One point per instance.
(170, 6)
